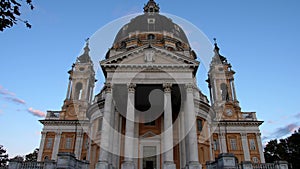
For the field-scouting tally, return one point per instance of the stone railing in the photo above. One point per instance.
(264, 166)
(68, 161)
(64, 161)
(228, 161)
(52, 115)
(32, 165)
(249, 115)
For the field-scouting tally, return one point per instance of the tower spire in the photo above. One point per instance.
(85, 57)
(218, 57)
(216, 49)
(151, 7)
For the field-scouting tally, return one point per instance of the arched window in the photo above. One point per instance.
(78, 91)
(151, 37)
(199, 125)
(224, 92)
(151, 9)
(123, 45)
(170, 49)
(46, 158)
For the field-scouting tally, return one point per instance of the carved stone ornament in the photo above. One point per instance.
(131, 87)
(58, 132)
(108, 87)
(189, 87)
(149, 55)
(244, 134)
(167, 87)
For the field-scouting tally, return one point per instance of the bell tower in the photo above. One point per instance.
(221, 86)
(80, 88)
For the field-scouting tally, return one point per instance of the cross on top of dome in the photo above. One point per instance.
(151, 7)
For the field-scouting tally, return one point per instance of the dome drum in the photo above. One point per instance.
(151, 28)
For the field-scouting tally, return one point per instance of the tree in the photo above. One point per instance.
(17, 158)
(10, 12)
(3, 157)
(287, 149)
(32, 157)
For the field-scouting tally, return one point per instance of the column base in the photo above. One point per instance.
(127, 165)
(169, 165)
(194, 165)
(102, 165)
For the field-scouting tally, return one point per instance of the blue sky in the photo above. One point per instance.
(259, 38)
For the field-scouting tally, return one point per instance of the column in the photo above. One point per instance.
(69, 89)
(42, 144)
(78, 144)
(111, 134)
(88, 156)
(105, 139)
(87, 90)
(168, 129)
(215, 93)
(210, 93)
(223, 143)
(245, 147)
(233, 88)
(91, 94)
(183, 156)
(190, 124)
(211, 156)
(129, 133)
(260, 148)
(116, 141)
(56, 145)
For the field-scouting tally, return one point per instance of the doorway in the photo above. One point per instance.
(149, 153)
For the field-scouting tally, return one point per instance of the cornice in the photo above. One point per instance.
(130, 53)
(64, 122)
(238, 123)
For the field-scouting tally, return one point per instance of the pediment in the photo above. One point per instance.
(145, 56)
(149, 135)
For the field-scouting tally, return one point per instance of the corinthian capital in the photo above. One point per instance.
(131, 87)
(189, 87)
(108, 87)
(167, 87)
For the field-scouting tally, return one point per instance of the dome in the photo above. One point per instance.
(151, 23)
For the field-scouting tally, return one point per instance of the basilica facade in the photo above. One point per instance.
(150, 112)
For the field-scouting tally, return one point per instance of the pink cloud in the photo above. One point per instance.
(37, 113)
(38, 133)
(271, 122)
(6, 92)
(292, 127)
(16, 100)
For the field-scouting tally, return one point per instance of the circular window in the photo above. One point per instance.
(151, 37)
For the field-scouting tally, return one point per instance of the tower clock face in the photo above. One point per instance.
(229, 112)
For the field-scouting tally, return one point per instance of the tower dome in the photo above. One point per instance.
(151, 27)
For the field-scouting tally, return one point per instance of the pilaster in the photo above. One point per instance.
(78, 144)
(245, 147)
(42, 144)
(56, 145)
(223, 143)
(260, 147)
